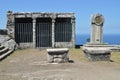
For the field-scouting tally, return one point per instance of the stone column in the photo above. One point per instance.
(53, 32)
(34, 31)
(73, 31)
(10, 24)
(97, 33)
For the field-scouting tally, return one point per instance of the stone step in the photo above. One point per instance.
(6, 54)
(4, 50)
(1, 47)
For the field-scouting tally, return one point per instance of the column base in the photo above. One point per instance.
(98, 57)
(97, 52)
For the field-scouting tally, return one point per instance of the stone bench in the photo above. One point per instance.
(58, 55)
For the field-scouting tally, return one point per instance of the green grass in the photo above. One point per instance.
(77, 54)
(74, 54)
(115, 56)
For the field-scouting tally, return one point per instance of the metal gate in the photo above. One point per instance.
(63, 32)
(43, 35)
(23, 32)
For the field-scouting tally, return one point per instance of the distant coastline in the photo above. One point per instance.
(107, 38)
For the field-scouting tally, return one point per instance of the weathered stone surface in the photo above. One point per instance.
(96, 50)
(4, 52)
(8, 42)
(96, 33)
(11, 31)
(98, 57)
(11, 44)
(97, 53)
(7, 46)
(58, 55)
(4, 38)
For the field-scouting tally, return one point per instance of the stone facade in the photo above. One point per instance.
(33, 18)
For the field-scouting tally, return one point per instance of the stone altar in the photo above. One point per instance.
(96, 50)
(58, 55)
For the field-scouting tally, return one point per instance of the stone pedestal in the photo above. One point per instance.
(98, 57)
(97, 53)
(96, 50)
(57, 55)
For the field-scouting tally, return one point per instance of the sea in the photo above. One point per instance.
(113, 39)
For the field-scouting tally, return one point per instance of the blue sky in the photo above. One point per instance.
(83, 10)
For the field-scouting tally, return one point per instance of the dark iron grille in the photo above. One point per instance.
(63, 32)
(43, 35)
(23, 32)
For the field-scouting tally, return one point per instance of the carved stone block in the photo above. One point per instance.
(57, 55)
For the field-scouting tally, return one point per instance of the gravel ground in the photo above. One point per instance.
(31, 64)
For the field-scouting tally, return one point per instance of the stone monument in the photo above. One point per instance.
(96, 50)
(97, 24)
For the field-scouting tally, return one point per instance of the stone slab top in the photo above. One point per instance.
(57, 49)
(41, 14)
(68, 13)
(100, 45)
(97, 50)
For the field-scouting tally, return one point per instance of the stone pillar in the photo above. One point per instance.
(97, 33)
(10, 24)
(73, 31)
(53, 32)
(34, 31)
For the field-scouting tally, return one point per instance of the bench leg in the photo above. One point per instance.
(50, 58)
(65, 57)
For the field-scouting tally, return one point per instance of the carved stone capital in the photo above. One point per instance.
(97, 19)
(34, 20)
(53, 17)
(53, 20)
(73, 20)
(10, 18)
